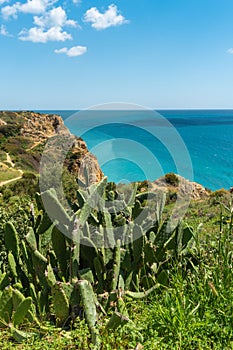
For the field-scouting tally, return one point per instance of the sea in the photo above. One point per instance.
(136, 145)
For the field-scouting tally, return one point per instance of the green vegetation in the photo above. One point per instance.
(172, 179)
(114, 275)
(164, 290)
(8, 173)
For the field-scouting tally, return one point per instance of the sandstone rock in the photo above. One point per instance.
(184, 188)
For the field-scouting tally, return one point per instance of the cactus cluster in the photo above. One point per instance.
(116, 247)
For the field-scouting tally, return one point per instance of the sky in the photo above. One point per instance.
(74, 54)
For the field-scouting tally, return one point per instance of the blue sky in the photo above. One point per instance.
(156, 53)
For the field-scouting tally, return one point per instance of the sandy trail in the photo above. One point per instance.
(9, 161)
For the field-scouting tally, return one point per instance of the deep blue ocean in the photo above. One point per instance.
(135, 146)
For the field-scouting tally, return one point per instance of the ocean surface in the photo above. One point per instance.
(137, 145)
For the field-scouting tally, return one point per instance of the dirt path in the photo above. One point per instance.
(2, 183)
(9, 161)
(34, 145)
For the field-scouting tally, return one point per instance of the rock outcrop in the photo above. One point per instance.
(184, 188)
(26, 133)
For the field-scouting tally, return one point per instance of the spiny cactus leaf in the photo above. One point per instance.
(59, 246)
(145, 196)
(99, 274)
(86, 274)
(20, 336)
(108, 230)
(122, 307)
(161, 200)
(31, 239)
(141, 295)
(21, 311)
(116, 265)
(33, 293)
(96, 193)
(6, 306)
(12, 264)
(131, 200)
(56, 210)
(44, 224)
(4, 281)
(88, 300)
(50, 276)
(17, 298)
(11, 239)
(81, 197)
(60, 304)
(138, 243)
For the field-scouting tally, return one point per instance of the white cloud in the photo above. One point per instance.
(10, 11)
(3, 30)
(54, 18)
(39, 35)
(2, 1)
(34, 7)
(111, 17)
(230, 50)
(73, 51)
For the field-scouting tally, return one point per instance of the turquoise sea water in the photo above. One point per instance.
(135, 146)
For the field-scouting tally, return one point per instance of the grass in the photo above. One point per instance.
(8, 173)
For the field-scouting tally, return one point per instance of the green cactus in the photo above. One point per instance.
(4, 281)
(44, 225)
(95, 196)
(116, 266)
(56, 210)
(6, 306)
(141, 295)
(20, 336)
(160, 206)
(88, 301)
(21, 311)
(99, 274)
(108, 230)
(81, 197)
(138, 243)
(60, 247)
(12, 265)
(31, 239)
(86, 274)
(144, 196)
(33, 294)
(50, 276)
(121, 306)
(60, 304)
(12, 240)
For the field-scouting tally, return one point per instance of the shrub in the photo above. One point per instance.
(172, 179)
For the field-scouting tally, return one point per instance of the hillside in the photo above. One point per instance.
(23, 136)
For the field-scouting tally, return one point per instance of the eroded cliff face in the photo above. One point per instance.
(25, 134)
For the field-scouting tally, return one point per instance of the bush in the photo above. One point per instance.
(172, 179)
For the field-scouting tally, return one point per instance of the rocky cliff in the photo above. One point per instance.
(23, 135)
